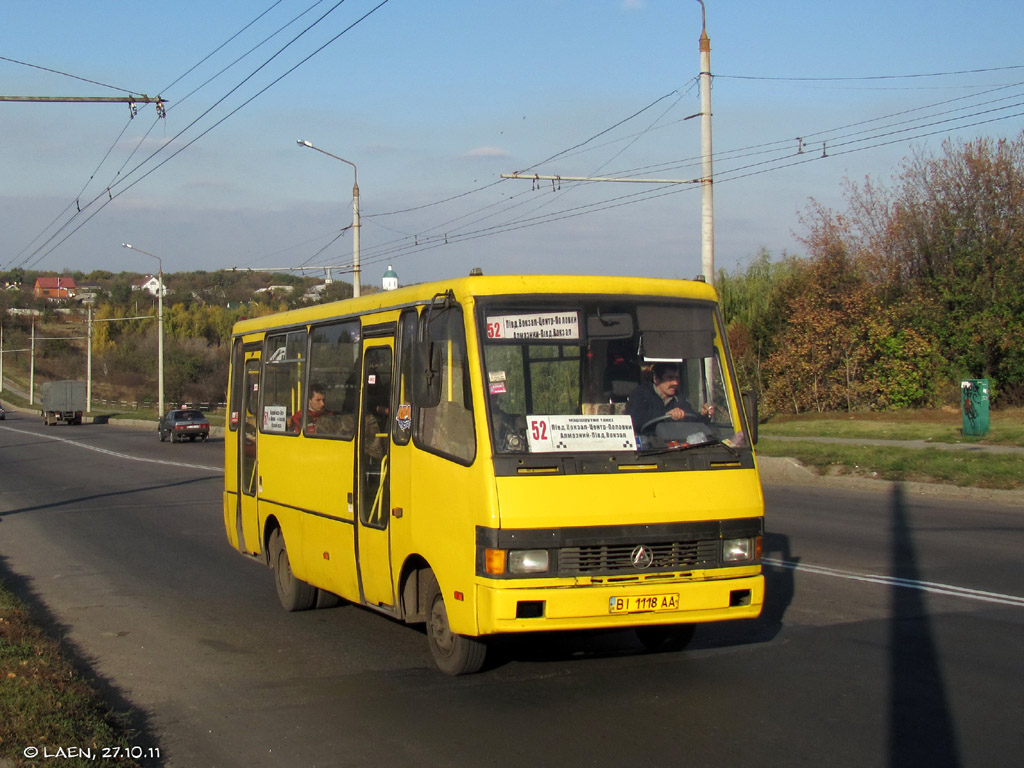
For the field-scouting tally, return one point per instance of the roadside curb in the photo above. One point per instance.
(104, 420)
(786, 471)
(775, 470)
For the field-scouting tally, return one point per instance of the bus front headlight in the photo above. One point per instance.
(737, 550)
(528, 561)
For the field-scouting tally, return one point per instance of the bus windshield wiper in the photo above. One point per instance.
(678, 447)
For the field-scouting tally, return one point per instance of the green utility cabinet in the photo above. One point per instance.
(974, 406)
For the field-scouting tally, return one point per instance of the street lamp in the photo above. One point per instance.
(160, 321)
(355, 214)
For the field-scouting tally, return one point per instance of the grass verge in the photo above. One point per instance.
(929, 465)
(45, 705)
(1006, 426)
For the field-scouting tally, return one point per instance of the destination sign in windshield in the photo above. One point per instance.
(548, 434)
(540, 326)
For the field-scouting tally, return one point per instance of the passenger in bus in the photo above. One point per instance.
(315, 410)
(375, 428)
(658, 398)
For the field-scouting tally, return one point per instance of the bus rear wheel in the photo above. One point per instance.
(453, 654)
(666, 638)
(294, 594)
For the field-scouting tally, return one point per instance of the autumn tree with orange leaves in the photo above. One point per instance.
(907, 291)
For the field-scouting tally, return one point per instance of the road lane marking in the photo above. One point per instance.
(892, 581)
(114, 453)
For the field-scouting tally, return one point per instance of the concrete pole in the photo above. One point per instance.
(707, 229)
(32, 367)
(88, 363)
(356, 273)
(160, 329)
(160, 338)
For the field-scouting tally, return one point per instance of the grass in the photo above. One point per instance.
(962, 468)
(934, 465)
(1006, 427)
(45, 704)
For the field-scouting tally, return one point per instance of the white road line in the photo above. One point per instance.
(113, 453)
(891, 581)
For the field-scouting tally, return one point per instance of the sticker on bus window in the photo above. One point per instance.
(497, 388)
(539, 326)
(275, 418)
(551, 434)
(403, 419)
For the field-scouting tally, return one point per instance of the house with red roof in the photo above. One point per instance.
(55, 288)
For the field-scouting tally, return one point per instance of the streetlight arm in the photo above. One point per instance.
(303, 143)
(160, 324)
(357, 273)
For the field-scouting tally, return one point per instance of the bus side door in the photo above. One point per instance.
(248, 464)
(373, 496)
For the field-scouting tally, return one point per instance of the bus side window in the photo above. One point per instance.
(402, 410)
(334, 367)
(447, 428)
(282, 381)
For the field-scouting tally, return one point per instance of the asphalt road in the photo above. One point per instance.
(891, 637)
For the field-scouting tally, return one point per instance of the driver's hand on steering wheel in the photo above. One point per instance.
(677, 414)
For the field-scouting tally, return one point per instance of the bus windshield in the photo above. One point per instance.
(632, 376)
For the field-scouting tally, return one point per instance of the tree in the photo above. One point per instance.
(957, 246)
(943, 252)
(755, 304)
(822, 362)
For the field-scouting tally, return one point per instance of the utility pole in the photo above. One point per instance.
(88, 363)
(707, 249)
(32, 367)
(356, 271)
(707, 217)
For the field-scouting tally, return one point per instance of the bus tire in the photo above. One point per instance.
(453, 654)
(665, 638)
(325, 599)
(294, 594)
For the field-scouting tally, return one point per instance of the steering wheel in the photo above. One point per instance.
(665, 417)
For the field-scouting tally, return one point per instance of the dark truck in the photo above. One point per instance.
(63, 401)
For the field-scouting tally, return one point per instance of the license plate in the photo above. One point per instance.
(643, 603)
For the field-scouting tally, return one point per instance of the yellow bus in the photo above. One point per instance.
(480, 455)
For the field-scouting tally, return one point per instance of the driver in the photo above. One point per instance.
(658, 399)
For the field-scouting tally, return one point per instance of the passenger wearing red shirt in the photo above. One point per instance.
(316, 408)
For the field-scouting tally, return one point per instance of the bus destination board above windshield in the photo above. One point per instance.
(540, 326)
(547, 434)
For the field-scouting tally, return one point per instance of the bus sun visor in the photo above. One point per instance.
(673, 333)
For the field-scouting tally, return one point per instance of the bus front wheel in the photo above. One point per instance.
(294, 594)
(453, 654)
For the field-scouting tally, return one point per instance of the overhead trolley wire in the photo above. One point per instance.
(881, 135)
(111, 195)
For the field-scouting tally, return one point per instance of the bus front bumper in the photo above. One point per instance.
(598, 606)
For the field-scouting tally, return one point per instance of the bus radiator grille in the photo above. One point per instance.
(619, 558)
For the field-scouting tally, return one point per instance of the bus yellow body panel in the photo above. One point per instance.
(623, 497)
(434, 455)
(576, 606)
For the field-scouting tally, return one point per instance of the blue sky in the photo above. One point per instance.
(433, 101)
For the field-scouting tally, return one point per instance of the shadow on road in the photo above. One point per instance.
(921, 730)
(129, 719)
(112, 494)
